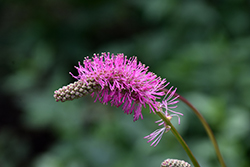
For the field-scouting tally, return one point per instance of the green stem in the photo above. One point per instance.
(180, 139)
(206, 126)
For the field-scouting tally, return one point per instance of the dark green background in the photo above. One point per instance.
(200, 46)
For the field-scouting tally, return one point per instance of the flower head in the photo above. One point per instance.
(168, 104)
(118, 80)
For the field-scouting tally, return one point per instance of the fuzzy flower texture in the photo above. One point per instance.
(121, 81)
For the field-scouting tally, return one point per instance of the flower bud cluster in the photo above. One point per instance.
(75, 90)
(174, 163)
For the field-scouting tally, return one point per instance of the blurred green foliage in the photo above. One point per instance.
(200, 46)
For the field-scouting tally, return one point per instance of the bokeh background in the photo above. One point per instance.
(200, 46)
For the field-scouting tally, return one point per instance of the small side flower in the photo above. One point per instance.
(169, 103)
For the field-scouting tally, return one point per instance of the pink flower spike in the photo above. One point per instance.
(117, 80)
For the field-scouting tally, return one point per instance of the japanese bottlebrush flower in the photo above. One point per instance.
(118, 80)
(168, 104)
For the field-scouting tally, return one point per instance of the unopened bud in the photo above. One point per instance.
(75, 90)
(174, 163)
